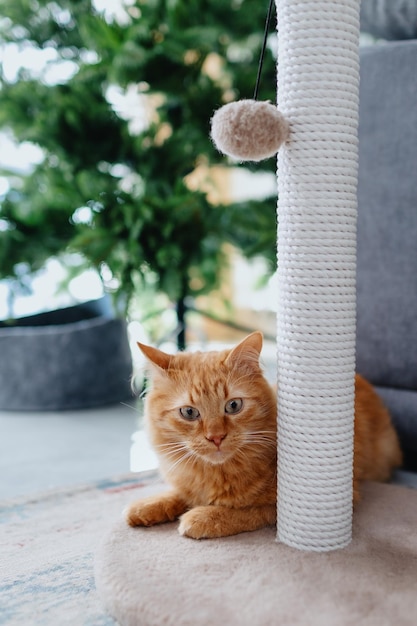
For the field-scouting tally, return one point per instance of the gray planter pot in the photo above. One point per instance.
(73, 358)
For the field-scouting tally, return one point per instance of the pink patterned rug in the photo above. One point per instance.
(47, 545)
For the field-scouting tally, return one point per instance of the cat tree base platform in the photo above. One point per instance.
(153, 576)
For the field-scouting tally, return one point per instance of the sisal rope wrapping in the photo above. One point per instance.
(318, 83)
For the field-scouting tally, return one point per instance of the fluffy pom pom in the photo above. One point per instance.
(249, 130)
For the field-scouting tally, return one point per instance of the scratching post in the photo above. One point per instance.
(316, 124)
(318, 83)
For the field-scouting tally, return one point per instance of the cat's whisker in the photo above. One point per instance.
(130, 406)
(184, 458)
(267, 437)
(179, 445)
(256, 437)
(261, 432)
(190, 457)
(268, 440)
(172, 456)
(174, 465)
(173, 450)
(263, 446)
(170, 443)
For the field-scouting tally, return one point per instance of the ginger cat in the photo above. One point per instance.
(212, 420)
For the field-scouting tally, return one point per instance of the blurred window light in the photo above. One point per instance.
(82, 215)
(19, 157)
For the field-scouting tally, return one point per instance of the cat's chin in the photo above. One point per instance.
(216, 458)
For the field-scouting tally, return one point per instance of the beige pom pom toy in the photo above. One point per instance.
(249, 130)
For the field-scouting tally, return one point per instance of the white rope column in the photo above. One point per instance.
(318, 81)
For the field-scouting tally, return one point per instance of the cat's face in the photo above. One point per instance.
(214, 406)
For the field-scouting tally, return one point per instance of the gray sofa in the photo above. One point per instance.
(387, 232)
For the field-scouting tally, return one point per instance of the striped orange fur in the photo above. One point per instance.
(211, 417)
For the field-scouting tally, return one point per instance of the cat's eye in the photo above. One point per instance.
(189, 413)
(233, 406)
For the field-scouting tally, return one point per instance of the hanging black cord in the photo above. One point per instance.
(261, 59)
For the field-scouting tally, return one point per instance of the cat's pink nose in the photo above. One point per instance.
(216, 439)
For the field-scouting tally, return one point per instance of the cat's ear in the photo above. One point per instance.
(155, 356)
(247, 351)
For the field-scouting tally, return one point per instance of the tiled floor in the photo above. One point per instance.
(41, 451)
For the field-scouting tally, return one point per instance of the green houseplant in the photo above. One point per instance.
(113, 182)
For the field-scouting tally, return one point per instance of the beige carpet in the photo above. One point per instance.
(154, 577)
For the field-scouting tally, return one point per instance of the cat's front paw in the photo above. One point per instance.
(142, 514)
(154, 510)
(200, 523)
